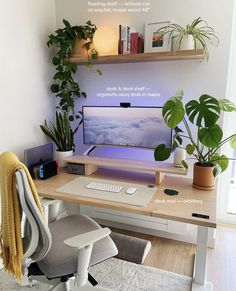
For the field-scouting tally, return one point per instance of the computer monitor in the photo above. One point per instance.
(142, 127)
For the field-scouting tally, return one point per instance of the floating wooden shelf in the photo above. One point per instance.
(145, 57)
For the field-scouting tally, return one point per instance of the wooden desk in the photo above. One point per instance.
(177, 208)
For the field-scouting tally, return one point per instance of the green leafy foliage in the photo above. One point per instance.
(184, 163)
(227, 105)
(210, 136)
(64, 85)
(61, 133)
(162, 153)
(205, 112)
(207, 140)
(173, 112)
(190, 148)
(233, 141)
(202, 34)
(222, 162)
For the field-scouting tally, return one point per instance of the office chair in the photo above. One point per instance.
(60, 253)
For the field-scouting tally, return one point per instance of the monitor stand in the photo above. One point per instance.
(91, 164)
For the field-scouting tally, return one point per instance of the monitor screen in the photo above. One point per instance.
(131, 127)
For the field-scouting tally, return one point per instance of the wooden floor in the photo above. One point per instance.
(178, 257)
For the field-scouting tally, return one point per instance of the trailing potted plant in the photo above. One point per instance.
(64, 85)
(205, 144)
(62, 135)
(193, 36)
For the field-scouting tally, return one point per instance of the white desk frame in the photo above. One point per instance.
(47, 189)
(200, 263)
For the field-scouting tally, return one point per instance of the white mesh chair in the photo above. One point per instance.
(61, 253)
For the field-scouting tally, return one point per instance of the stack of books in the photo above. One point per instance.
(130, 41)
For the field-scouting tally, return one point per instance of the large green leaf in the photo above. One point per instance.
(190, 148)
(184, 163)
(204, 113)
(162, 153)
(173, 112)
(227, 105)
(210, 136)
(216, 170)
(222, 161)
(233, 141)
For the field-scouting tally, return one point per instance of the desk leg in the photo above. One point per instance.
(200, 264)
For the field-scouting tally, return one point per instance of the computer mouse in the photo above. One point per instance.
(131, 190)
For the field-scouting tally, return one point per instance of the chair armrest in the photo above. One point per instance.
(82, 240)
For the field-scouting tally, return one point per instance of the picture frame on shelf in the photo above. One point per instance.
(153, 40)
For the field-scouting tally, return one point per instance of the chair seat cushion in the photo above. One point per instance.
(61, 259)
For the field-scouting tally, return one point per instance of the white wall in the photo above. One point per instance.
(25, 72)
(194, 77)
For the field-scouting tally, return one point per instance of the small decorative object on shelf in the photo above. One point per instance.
(105, 41)
(197, 35)
(156, 39)
(179, 156)
(203, 144)
(130, 41)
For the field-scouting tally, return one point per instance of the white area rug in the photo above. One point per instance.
(120, 276)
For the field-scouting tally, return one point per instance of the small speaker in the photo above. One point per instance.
(73, 168)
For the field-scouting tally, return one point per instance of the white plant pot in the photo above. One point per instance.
(60, 156)
(187, 43)
(179, 156)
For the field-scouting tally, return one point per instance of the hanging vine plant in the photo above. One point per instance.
(64, 85)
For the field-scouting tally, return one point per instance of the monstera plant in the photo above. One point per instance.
(203, 143)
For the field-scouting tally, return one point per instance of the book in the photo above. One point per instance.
(134, 42)
(130, 41)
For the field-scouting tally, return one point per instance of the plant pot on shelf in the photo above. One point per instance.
(203, 177)
(187, 42)
(78, 48)
(60, 156)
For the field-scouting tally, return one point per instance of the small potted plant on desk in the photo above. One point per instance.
(197, 35)
(206, 142)
(62, 135)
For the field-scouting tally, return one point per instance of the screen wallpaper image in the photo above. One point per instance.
(134, 126)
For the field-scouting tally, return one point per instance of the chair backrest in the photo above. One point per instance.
(37, 237)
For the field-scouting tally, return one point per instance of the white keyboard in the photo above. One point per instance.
(104, 187)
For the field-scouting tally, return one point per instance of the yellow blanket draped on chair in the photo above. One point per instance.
(11, 238)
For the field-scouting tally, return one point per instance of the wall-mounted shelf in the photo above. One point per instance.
(145, 57)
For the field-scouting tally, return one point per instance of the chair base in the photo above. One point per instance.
(57, 285)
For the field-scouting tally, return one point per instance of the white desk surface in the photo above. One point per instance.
(177, 208)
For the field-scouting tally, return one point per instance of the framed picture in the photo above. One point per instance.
(154, 41)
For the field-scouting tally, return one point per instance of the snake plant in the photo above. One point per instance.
(61, 133)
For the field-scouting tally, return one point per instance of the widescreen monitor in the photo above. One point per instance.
(142, 127)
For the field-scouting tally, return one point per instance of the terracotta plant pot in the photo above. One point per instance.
(78, 48)
(203, 177)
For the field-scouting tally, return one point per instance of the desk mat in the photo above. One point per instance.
(141, 197)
